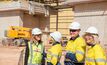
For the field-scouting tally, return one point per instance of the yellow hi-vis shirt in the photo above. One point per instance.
(77, 47)
(35, 57)
(54, 54)
(95, 56)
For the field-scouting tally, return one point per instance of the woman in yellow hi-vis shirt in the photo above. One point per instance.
(34, 48)
(54, 53)
(94, 52)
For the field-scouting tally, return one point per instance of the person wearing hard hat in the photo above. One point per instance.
(94, 52)
(34, 48)
(54, 53)
(75, 48)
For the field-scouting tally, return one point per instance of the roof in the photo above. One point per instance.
(74, 2)
(69, 3)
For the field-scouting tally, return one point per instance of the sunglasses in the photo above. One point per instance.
(73, 30)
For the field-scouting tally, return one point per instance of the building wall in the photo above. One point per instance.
(93, 14)
(65, 17)
(9, 18)
(37, 21)
(30, 21)
(44, 22)
(19, 18)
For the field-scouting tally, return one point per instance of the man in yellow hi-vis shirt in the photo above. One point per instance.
(75, 48)
(54, 53)
(95, 54)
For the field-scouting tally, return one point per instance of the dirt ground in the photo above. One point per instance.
(10, 55)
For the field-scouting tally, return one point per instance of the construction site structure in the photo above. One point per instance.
(22, 13)
(18, 32)
(34, 13)
(56, 15)
(18, 35)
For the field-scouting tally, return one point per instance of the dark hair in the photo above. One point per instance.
(39, 41)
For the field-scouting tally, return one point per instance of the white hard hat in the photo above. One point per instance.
(92, 30)
(36, 31)
(56, 35)
(74, 25)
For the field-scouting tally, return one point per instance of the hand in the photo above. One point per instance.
(64, 53)
(37, 50)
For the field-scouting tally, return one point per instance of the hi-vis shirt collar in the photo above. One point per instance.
(74, 38)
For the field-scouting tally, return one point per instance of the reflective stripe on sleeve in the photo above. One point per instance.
(70, 52)
(100, 60)
(90, 60)
(80, 52)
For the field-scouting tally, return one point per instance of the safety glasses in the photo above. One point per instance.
(39, 35)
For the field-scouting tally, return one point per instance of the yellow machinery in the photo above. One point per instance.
(18, 34)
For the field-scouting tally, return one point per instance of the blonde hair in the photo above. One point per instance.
(95, 36)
